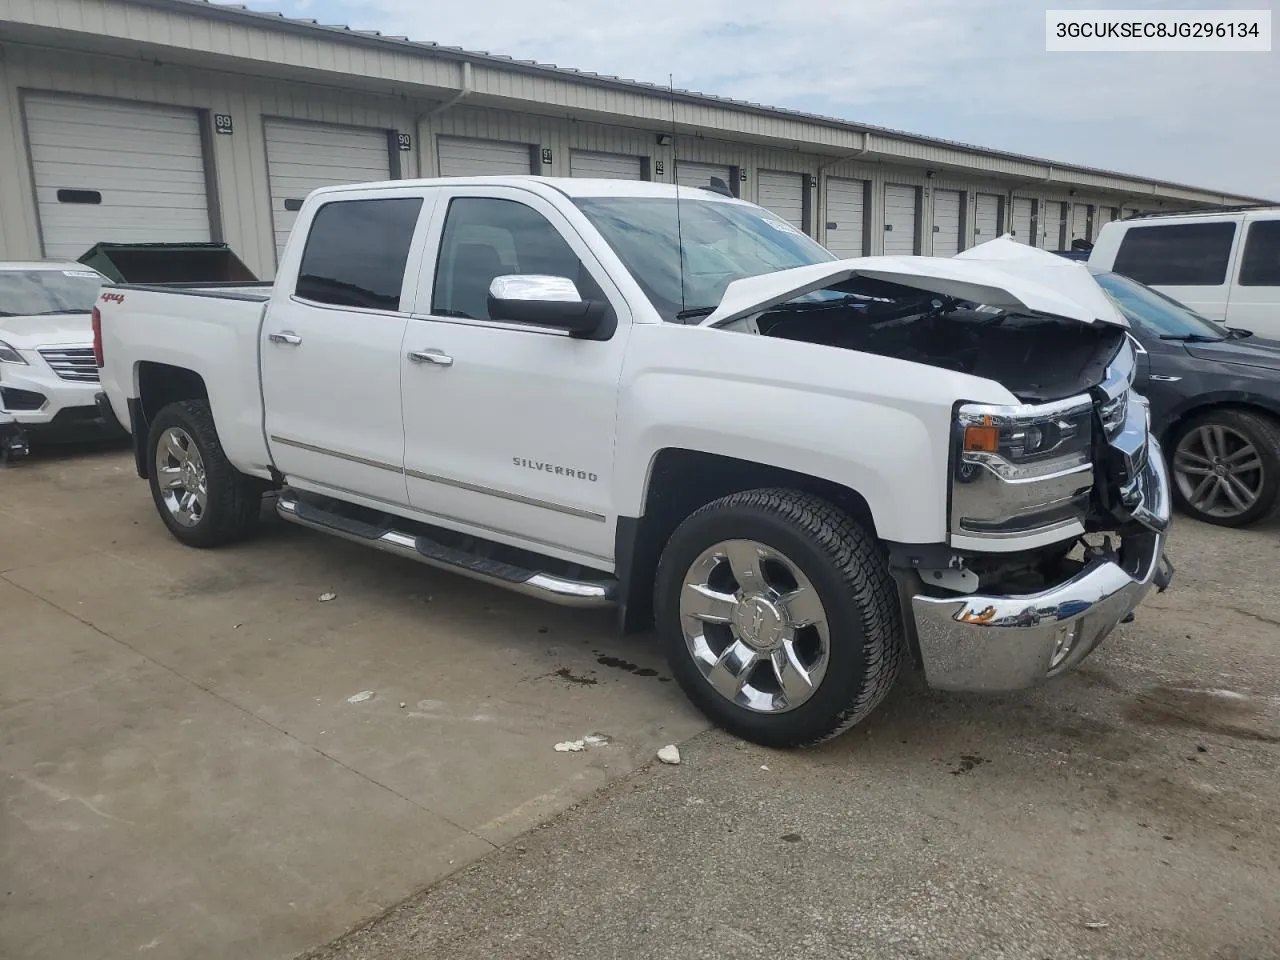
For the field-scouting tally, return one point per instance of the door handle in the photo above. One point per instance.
(438, 357)
(285, 336)
(1163, 379)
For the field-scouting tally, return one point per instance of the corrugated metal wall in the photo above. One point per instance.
(240, 178)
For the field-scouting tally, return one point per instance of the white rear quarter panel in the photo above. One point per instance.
(214, 336)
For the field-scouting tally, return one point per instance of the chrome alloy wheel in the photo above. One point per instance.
(755, 626)
(1218, 471)
(180, 473)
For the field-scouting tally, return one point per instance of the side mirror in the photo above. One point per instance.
(547, 302)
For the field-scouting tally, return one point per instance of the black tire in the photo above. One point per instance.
(233, 501)
(1259, 430)
(849, 570)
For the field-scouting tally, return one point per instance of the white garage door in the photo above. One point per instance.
(1104, 216)
(111, 171)
(608, 166)
(946, 223)
(701, 174)
(1024, 210)
(986, 217)
(1052, 224)
(460, 157)
(783, 193)
(1079, 223)
(846, 217)
(302, 157)
(899, 220)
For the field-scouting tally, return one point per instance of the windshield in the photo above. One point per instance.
(723, 242)
(1153, 313)
(26, 293)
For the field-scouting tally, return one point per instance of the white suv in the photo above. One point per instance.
(1223, 264)
(48, 374)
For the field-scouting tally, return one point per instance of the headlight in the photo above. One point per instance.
(1021, 469)
(1113, 407)
(9, 355)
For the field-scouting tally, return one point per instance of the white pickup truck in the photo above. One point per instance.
(804, 470)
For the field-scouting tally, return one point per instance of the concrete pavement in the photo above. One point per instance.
(199, 758)
(1127, 811)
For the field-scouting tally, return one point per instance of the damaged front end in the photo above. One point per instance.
(1059, 517)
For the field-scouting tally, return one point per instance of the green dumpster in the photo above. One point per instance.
(161, 263)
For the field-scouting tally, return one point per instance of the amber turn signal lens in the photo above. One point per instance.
(985, 439)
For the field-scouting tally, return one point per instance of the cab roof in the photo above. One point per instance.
(568, 186)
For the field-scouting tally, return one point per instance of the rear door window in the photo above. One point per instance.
(1261, 264)
(357, 251)
(1177, 254)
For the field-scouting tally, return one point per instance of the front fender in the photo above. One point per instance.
(875, 425)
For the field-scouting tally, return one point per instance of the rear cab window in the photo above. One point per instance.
(1177, 254)
(357, 252)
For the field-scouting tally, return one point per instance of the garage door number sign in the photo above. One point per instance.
(222, 124)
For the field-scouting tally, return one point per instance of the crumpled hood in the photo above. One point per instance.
(58, 330)
(1000, 273)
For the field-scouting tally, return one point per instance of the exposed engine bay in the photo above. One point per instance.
(1037, 358)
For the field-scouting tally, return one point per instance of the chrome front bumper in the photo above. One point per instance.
(998, 643)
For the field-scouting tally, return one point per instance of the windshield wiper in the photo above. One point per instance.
(1191, 337)
(695, 312)
(1235, 333)
(58, 313)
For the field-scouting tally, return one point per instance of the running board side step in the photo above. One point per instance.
(531, 583)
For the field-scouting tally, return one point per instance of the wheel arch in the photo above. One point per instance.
(1237, 400)
(681, 481)
(156, 385)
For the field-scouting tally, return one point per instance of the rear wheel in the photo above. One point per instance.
(779, 617)
(1226, 467)
(201, 497)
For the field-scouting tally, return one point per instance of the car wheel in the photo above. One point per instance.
(201, 497)
(779, 617)
(1226, 467)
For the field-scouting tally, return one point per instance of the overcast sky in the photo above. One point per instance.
(969, 70)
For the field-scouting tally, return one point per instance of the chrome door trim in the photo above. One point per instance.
(503, 495)
(447, 518)
(349, 457)
(448, 482)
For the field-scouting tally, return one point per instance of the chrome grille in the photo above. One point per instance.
(72, 363)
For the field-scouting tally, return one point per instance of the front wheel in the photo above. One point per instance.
(1226, 467)
(779, 616)
(201, 497)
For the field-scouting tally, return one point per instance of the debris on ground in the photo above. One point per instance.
(360, 697)
(325, 597)
(571, 746)
(1096, 924)
(403, 704)
(763, 767)
(596, 739)
(669, 754)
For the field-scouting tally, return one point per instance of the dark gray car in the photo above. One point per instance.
(1215, 404)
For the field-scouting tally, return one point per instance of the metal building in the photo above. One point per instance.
(145, 120)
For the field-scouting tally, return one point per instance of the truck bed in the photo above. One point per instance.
(211, 329)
